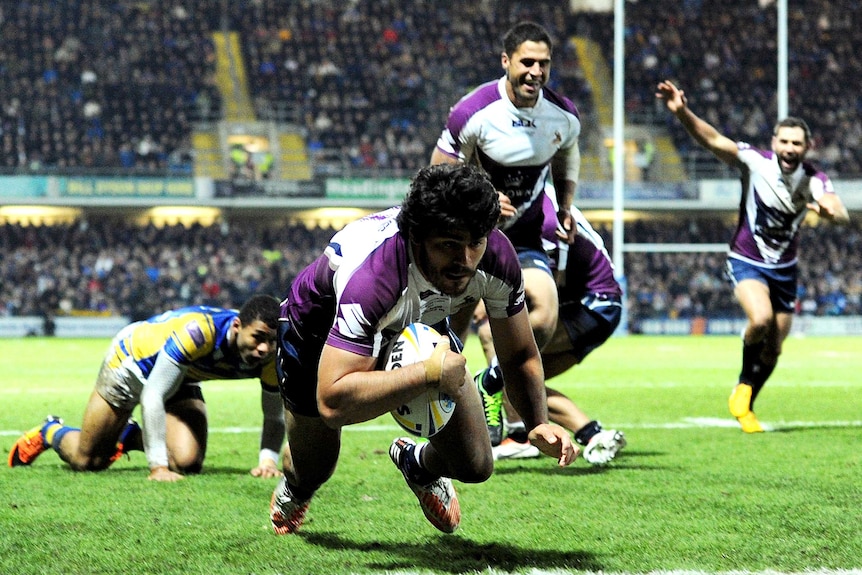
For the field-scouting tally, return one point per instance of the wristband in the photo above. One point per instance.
(433, 371)
(268, 454)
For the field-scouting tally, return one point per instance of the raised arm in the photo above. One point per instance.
(702, 131)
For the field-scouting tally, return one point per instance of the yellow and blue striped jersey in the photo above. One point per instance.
(197, 339)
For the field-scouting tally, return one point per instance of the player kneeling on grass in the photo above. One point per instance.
(590, 310)
(434, 256)
(160, 363)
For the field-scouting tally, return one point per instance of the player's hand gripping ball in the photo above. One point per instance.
(429, 412)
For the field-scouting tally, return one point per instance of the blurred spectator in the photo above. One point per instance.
(374, 80)
(80, 79)
(108, 266)
(723, 45)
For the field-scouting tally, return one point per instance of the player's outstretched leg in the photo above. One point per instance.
(286, 512)
(32, 444)
(436, 495)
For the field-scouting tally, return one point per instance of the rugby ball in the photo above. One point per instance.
(429, 412)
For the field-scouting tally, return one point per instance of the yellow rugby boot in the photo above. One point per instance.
(749, 423)
(740, 400)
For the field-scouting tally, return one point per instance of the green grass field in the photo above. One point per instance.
(690, 493)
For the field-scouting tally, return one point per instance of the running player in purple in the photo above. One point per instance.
(525, 136)
(778, 190)
(435, 256)
(159, 364)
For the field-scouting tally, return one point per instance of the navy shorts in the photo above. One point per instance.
(590, 321)
(534, 259)
(297, 357)
(780, 281)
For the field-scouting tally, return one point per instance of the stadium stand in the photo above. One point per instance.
(90, 84)
(116, 86)
(103, 85)
(725, 52)
(372, 82)
(110, 267)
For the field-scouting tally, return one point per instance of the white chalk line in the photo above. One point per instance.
(685, 423)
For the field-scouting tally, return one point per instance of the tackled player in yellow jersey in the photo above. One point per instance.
(159, 364)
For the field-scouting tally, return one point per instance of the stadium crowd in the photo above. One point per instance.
(117, 85)
(372, 82)
(109, 267)
(670, 285)
(726, 53)
(97, 85)
(88, 84)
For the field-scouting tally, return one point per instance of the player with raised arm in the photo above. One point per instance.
(778, 189)
(159, 364)
(438, 254)
(525, 136)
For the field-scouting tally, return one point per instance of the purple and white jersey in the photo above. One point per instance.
(366, 287)
(514, 145)
(588, 267)
(586, 263)
(772, 208)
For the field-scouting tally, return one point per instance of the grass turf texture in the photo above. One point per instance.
(691, 492)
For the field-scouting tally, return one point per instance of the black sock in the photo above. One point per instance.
(298, 494)
(584, 434)
(416, 472)
(756, 386)
(518, 432)
(493, 381)
(752, 366)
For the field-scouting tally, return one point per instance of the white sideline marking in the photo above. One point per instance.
(685, 423)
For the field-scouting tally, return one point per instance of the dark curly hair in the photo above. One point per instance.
(449, 196)
(263, 307)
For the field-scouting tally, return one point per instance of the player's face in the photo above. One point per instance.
(527, 70)
(449, 259)
(255, 342)
(790, 146)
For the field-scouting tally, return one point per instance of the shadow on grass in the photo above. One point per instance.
(579, 467)
(842, 426)
(452, 554)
